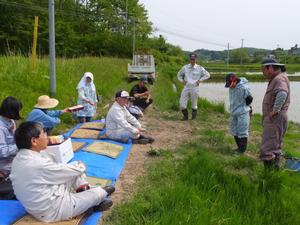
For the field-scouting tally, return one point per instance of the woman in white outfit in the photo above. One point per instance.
(86, 97)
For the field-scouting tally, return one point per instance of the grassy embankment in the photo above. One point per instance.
(198, 183)
(18, 79)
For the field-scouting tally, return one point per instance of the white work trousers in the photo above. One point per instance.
(122, 135)
(73, 204)
(190, 92)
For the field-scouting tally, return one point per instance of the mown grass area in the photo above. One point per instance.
(203, 183)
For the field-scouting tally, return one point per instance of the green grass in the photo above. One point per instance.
(211, 186)
(208, 185)
(199, 183)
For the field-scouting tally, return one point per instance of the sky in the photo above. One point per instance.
(213, 24)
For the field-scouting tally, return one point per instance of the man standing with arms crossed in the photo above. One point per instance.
(275, 112)
(191, 75)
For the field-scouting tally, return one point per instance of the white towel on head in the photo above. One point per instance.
(82, 82)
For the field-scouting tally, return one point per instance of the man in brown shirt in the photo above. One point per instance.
(275, 112)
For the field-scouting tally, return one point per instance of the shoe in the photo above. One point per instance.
(103, 206)
(109, 189)
(142, 141)
(151, 140)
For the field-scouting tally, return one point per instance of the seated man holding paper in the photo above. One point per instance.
(121, 125)
(44, 187)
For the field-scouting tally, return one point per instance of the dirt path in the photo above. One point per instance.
(168, 134)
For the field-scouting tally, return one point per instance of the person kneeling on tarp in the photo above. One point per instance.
(121, 125)
(44, 187)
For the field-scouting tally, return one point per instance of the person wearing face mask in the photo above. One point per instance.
(42, 114)
(121, 125)
(87, 97)
(191, 75)
(240, 99)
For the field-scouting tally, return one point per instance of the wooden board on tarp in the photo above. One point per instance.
(95, 181)
(30, 220)
(78, 220)
(78, 145)
(85, 134)
(105, 148)
(93, 125)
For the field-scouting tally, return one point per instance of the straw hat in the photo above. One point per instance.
(45, 102)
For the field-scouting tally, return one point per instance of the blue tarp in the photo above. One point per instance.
(97, 166)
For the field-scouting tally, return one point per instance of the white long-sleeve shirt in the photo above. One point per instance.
(118, 117)
(41, 184)
(192, 74)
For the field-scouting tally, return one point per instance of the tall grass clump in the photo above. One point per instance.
(166, 98)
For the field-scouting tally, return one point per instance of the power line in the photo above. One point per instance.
(224, 45)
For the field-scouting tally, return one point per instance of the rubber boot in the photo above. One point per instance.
(185, 114)
(194, 114)
(243, 144)
(237, 141)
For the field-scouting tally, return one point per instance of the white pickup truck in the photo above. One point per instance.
(142, 65)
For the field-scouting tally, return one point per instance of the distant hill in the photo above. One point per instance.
(212, 55)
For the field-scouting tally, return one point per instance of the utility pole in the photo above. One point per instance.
(227, 56)
(126, 27)
(133, 40)
(52, 49)
(241, 51)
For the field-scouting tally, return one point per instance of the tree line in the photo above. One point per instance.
(82, 27)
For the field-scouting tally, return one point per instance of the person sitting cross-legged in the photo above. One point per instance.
(121, 125)
(46, 188)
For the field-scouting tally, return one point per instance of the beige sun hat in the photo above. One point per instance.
(45, 102)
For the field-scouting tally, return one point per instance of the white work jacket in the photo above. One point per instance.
(118, 118)
(192, 74)
(39, 183)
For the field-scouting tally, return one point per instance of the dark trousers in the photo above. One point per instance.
(141, 103)
(82, 119)
(6, 189)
